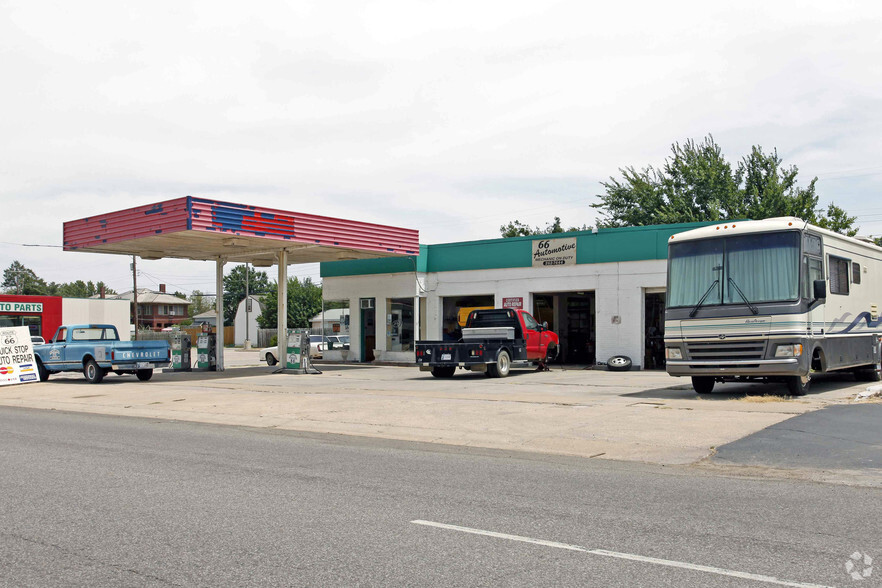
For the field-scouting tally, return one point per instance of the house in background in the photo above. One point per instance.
(336, 322)
(247, 330)
(209, 317)
(156, 310)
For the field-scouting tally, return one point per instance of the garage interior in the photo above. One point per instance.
(572, 316)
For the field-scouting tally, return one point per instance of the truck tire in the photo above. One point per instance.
(440, 371)
(144, 375)
(798, 385)
(551, 353)
(618, 363)
(42, 371)
(703, 384)
(93, 372)
(502, 367)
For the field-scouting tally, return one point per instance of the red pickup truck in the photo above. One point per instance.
(493, 341)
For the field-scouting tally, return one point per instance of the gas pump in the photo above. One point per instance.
(297, 355)
(180, 352)
(206, 351)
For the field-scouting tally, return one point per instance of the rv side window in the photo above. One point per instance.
(838, 275)
(813, 271)
(812, 244)
(855, 273)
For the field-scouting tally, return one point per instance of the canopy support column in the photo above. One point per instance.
(282, 324)
(219, 315)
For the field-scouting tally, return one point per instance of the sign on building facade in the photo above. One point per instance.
(554, 252)
(514, 302)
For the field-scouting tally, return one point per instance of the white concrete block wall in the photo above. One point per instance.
(96, 310)
(379, 287)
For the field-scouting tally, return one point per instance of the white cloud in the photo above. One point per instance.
(452, 118)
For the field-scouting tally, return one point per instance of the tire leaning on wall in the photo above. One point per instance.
(618, 363)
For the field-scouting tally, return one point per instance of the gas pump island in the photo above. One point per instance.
(212, 230)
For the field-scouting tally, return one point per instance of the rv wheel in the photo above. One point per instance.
(703, 384)
(798, 385)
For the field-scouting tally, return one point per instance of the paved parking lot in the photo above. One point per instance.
(641, 416)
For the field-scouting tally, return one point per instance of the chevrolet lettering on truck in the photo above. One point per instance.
(96, 351)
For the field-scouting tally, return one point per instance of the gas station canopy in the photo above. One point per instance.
(198, 228)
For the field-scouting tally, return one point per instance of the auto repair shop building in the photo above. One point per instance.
(603, 292)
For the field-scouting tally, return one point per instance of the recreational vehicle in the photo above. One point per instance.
(776, 299)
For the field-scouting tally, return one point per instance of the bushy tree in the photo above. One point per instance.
(304, 302)
(78, 289)
(200, 302)
(517, 229)
(696, 183)
(18, 279)
(234, 289)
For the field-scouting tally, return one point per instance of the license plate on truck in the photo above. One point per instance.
(446, 357)
(143, 365)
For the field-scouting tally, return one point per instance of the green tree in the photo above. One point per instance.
(304, 302)
(79, 289)
(201, 302)
(838, 220)
(517, 229)
(234, 289)
(696, 183)
(18, 279)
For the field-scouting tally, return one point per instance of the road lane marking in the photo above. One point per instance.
(619, 555)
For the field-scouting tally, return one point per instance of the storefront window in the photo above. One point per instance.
(33, 323)
(399, 325)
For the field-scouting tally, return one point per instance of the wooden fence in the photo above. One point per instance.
(194, 332)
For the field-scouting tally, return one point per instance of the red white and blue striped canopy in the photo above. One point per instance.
(199, 228)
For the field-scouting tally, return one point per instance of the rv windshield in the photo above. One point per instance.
(764, 266)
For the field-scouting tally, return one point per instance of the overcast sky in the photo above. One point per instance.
(452, 118)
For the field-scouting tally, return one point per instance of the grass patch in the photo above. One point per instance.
(765, 398)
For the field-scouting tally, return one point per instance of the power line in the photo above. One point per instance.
(31, 244)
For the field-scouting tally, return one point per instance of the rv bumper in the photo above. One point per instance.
(758, 368)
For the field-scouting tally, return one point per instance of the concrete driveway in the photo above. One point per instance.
(640, 416)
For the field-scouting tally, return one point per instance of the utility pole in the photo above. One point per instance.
(135, 293)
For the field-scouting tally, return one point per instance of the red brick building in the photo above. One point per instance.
(157, 310)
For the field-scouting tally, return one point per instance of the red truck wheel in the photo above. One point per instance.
(502, 366)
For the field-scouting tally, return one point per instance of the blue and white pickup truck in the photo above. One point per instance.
(96, 350)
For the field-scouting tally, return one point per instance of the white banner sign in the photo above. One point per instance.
(554, 252)
(17, 362)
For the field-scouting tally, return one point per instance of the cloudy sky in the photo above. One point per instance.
(449, 117)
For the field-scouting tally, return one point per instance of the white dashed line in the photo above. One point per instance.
(628, 556)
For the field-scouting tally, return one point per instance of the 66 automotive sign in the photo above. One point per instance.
(554, 252)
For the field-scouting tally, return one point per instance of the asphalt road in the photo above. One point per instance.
(842, 437)
(88, 500)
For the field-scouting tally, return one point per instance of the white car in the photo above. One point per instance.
(270, 354)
